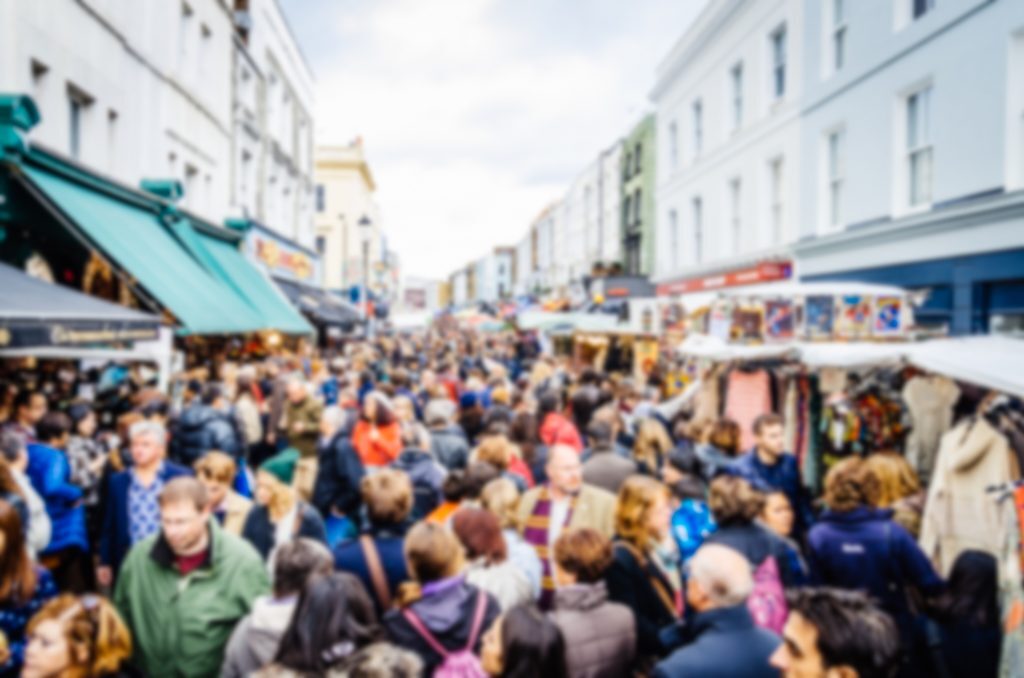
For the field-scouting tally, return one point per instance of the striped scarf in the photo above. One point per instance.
(536, 535)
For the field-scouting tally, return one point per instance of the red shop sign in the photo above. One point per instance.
(764, 272)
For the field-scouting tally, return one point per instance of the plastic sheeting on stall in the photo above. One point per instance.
(994, 362)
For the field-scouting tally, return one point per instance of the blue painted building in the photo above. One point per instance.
(912, 153)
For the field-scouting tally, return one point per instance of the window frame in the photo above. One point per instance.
(779, 61)
(839, 30)
(736, 85)
(697, 116)
(835, 176)
(919, 148)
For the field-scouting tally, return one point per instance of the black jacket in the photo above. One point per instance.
(723, 642)
(338, 475)
(259, 530)
(450, 447)
(756, 544)
(201, 428)
(630, 582)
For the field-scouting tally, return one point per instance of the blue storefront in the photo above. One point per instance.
(968, 258)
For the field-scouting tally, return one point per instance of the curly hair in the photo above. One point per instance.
(734, 501)
(98, 640)
(633, 509)
(896, 478)
(851, 483)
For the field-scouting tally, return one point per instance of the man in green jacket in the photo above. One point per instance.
(182, 590)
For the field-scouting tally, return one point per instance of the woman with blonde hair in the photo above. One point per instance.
(651, 446)
(78, 637)
(216, 470)
(644, 573)
(439, 612)
(279, 515)
(501, 498)
(899, 489)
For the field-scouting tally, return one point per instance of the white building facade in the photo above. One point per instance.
(728, 98)
(131, 90)
(273, 124)
(913, 154)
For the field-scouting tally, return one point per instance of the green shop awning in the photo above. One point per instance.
(129, 231)
(222, 256)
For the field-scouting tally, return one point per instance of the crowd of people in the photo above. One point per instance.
(447, 504)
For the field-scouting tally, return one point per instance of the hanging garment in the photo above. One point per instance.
(960, 514)
(707, 402)
(748, 397)
(792, 423)
(930, 401)
(1011, 595)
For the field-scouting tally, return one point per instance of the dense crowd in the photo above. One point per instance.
(454, 505)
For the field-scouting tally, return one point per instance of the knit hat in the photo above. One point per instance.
(282, 465)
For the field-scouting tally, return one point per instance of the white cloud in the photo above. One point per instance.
(477, 113)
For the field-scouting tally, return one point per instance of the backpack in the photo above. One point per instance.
(767, 601)
(461, 663)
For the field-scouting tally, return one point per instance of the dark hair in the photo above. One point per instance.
(480, 534)
(584, 553)
(211, 394)
(583, 404)
(158, 407)
(52, 426)
(851, 630)
(333, 618)
(79, 411)
(12, 445)
(523, 432)
(766, 420)
(734, 501)
(478, 474)
(725, 435)
(531, 645)
(23, 398)
(972, 594)
(296, 561)
(453, 488)
(599, 432)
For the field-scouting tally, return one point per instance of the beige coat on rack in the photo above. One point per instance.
(960, 514)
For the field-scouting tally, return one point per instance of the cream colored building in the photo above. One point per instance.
(344, 197)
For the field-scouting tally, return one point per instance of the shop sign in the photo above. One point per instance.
(281, 258)
(84, 333)
(768, 271)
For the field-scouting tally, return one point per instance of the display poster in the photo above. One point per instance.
(779, 320)
(720, 320)
(819, 315)
(888, 316)
(748, 323)
(853, 317)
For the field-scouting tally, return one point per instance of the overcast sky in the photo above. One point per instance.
(475, 114)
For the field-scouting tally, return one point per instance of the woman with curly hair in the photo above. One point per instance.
(74, 636)
(899, 489)
(857, 546)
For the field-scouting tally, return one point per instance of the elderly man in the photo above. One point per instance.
(132, 507)
(722, 638)
(338, 474)
(301, 418)
(183, 589)
(564, 501)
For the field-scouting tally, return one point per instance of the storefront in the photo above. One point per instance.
(967, 260)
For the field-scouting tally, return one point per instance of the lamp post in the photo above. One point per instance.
(365, 235)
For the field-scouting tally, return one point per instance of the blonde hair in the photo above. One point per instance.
(501, 498)
(387, 496)
(88, 623)
(652, 444)
(494, 450)
(216, 466)
(896, 478)
(432, 553)
(633, 510)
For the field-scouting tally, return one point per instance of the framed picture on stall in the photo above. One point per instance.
(720, 320)
(888, 316)
(779, 320)
(853, 317)
(748, 323)
(819, 316)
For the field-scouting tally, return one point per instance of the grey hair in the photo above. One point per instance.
(12, 445)
(723, 573)
(335, 416)
(439, 412)
(148, 428)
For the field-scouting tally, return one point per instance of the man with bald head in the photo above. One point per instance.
(563, 501)
(722, 639)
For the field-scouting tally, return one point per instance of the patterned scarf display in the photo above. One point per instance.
(536, 535)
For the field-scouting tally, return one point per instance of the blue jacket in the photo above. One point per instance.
(863, 549)
(784, 475)
(50, 473)
(723, 642)
(692, 522)
(115, 540)
(349, 557)
(338, 475)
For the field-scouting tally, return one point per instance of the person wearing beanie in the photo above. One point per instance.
(279, 515)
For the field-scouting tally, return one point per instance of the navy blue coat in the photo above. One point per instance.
(201, 428)
(338, 475)
(115, 540)
(722, 642)
(863, 549)
(349, 557)
(784, 475)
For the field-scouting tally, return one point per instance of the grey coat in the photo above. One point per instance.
(600, 637)
(607, 470)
